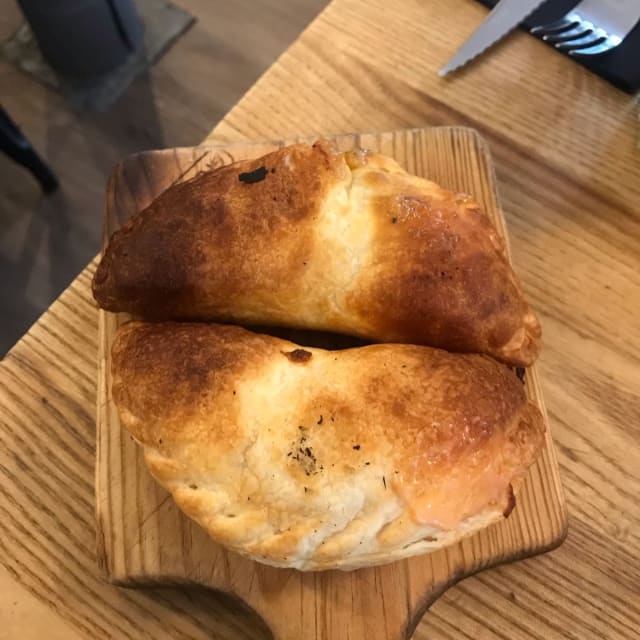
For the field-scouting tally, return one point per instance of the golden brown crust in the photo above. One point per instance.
(205, 244)
(341, 242)
(450, 260)
(320, 459)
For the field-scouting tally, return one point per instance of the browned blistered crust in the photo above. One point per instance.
(308, 238)
(324, 459)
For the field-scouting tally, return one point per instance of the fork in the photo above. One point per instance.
(592, 27)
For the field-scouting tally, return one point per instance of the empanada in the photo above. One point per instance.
(308, 238)
(315, 459)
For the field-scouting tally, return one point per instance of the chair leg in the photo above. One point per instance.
(18, 148)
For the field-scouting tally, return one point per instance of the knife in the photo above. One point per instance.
(504, 17)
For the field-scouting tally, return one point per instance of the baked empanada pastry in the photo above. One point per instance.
(308, 238)
(314, 459)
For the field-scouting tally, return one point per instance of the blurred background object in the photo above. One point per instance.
(46, 240)
(91, 50)
(14, 143)
(84, 37)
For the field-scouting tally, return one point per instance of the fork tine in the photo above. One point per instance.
(559, 25)
(609, 43)
(592, 38)
(580, 30)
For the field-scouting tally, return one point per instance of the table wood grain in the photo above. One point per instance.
(565, 147)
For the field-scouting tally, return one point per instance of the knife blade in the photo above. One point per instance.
(504, 17)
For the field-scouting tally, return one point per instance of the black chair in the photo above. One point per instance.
(19, 149)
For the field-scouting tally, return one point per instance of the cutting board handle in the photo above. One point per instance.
(335, 605)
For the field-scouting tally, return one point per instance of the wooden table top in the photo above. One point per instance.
(565, 144)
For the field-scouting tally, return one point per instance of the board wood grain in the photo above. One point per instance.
(142, 536)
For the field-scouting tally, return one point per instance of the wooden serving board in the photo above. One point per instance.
(144, 539)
